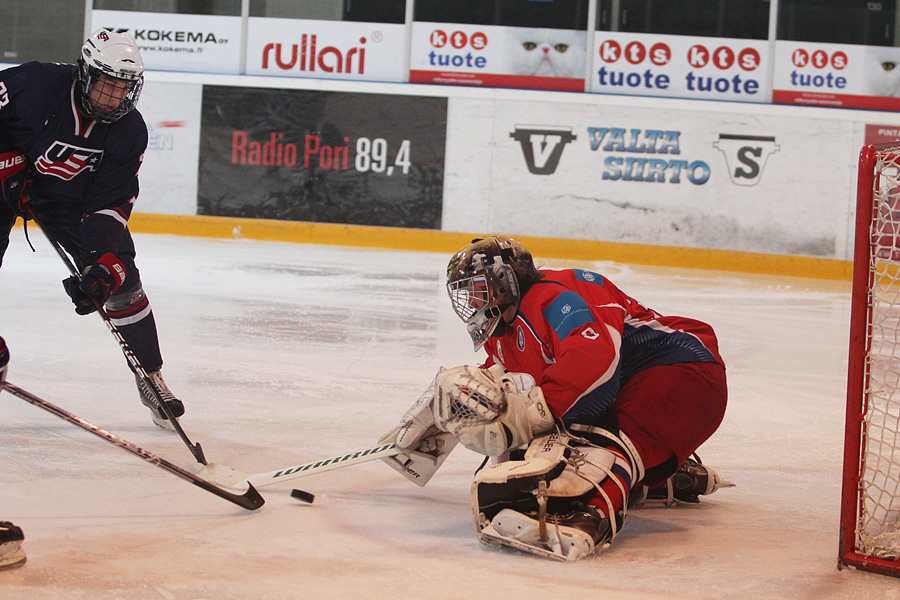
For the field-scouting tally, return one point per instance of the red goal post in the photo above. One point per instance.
(870, 496)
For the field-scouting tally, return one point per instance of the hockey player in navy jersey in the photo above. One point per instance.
(588, 401)
(71, 144)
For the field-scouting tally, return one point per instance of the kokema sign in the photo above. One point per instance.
(170, 42)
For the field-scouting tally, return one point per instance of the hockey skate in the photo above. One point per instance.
(565, 538)
(148, 399)
(12, 555)
(692, 480)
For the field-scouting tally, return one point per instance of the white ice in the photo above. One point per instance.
(287, 353)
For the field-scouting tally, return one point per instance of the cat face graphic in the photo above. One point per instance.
(547, 53)
(882, 71)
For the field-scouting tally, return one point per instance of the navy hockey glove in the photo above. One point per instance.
(15, 180)
(98, 281)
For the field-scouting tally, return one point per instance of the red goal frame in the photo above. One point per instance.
(850, 553)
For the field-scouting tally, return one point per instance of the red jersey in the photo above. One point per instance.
(582, 339)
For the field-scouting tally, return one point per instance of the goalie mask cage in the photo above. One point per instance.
(870, 497)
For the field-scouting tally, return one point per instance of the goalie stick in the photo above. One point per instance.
(228, 477)
(139, 370)
(251, 499)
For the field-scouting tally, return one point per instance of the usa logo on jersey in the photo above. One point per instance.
(67, 161)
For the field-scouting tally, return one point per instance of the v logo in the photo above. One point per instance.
(542, 147)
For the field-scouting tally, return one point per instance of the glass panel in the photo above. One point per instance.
(27, 34)
(370, 11)
(747, 19)
(546, 14)
(180, 7)
(375, 11)
(838, 21)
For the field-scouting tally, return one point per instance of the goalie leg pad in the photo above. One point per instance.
(568, 539)
(553, 503)
(12, 554)
(513, 484)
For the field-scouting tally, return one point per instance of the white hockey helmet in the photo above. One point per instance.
(110, 58)
(487, 278)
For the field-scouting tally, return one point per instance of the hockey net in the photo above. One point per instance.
(870, 504)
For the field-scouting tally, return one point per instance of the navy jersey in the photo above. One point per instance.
(90, 166)
(582, 339)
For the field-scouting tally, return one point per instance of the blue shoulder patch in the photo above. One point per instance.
(568, 312)
(588, 276)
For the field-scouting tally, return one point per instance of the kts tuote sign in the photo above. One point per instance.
(679, 66)
(484, 55)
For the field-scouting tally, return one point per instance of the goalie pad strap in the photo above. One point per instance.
(622, 441)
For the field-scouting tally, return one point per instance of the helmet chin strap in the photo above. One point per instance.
(502, 324)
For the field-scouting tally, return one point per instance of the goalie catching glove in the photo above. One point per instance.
(488, 411)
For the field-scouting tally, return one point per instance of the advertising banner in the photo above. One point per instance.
(881, 134)
(679, 66)
(333, 157)
(168, 176)
(487, 55)
(685, 178)
(326, 49)
(841, 75)
(175, 42)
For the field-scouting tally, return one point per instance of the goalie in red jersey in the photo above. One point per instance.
(588, 401)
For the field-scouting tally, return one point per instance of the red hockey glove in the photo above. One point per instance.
(98, 281)
(15, 180)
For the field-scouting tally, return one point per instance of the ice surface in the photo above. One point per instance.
(287, 353)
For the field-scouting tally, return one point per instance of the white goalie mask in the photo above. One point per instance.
(484, 280)
(110, 75)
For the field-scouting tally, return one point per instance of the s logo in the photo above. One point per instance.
(745, 156)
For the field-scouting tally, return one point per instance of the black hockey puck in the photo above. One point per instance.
(303, 496)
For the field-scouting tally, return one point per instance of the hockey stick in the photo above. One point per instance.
(139, 370)
(251, 499)
(227, 477)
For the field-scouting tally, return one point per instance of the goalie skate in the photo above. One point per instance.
(567, 539)
(12, 555)
(692, 480)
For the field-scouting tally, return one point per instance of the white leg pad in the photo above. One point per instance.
(513, 529)
(509, 498)
(12, 555)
